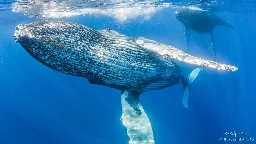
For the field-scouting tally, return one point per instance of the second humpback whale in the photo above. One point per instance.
(201, 21)
(106, 57)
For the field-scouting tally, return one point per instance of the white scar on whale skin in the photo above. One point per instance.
(138, 127)
(174, 53)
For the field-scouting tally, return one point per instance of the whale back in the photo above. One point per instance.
(196, 19)
(104, 57)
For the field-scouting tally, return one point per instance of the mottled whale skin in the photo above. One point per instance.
(103, 57)
(201, 21)
(106, 57)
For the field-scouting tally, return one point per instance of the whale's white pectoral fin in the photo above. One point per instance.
(136, 120)
(174, 53)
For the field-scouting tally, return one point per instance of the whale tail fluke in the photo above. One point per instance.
(187, 82)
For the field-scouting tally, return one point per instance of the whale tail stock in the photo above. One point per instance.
(226, 24)
(219, 21)
(186, 85)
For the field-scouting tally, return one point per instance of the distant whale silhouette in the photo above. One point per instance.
(201, 21)
(108, 58)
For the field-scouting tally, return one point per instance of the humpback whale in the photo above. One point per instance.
(201, 21)
(108, 58)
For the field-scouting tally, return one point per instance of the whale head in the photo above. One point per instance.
(183, 15)
(40, 41)
(195, 18)
(57, 45)
(27, 39)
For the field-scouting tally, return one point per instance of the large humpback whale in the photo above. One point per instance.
(108, 58)
(201, 21)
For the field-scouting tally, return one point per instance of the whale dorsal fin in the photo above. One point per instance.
(173, 53)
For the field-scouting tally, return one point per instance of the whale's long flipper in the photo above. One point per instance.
(174, 53)
(187, 36)
(135, 120)
(213, 44)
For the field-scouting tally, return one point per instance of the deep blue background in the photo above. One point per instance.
(41, 106)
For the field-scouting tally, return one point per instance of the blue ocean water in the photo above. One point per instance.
(41, 106)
